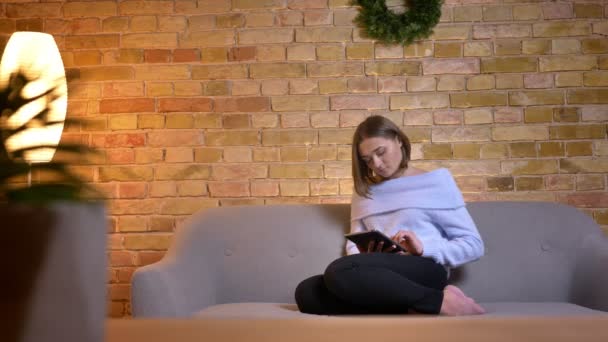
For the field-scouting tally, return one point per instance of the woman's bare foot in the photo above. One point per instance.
(456, 303)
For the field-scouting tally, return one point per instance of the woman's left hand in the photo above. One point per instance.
(408, 240)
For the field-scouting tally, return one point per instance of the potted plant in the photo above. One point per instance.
(53, 231)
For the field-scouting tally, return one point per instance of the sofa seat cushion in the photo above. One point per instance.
(290, 311)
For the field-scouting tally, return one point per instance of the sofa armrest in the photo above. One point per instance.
(171, 289)
(591, 274)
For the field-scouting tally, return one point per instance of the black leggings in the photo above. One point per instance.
(374, 283)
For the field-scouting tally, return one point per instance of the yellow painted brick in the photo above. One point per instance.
(451, 82)
(207, 120)
(301, 53)
(595, 79)
(565, 46)
(194, 188)
(335, 70)
(148, 156)
(418, 49)
(143, 23)
(594, 46)
(481, 82)
(544, 97)
(162, 189)
(529, 167)
(232, 20)
(231, 121)
(551, 149)
(437, 151)
(229, 189)
(217, 88)
(322, 153)
(330, 52)
(451, 32)
(494, 151)
(324, 34)
(360, 51)
(497, 13)
(219, 71)
(477, 116)
(206, 39)
(579, 148)
(120, 173)
(590, 182)
(578, 132)
(467, 13)
(324, 187)
(333, 86)
(460, 134)
(299, 103)
(508, 64)
(508, 47)
(523, 149)
(94, 124)
(277, 70)
(478, 49)
(566, 63)
(538, 114)
(561, 29)
(467, 151)
(425, 83)
(179, 155)
(186, 206)
(214, 55)
(419, 101)
(499, 183)
(588, 96)
(569, 79)
(294, 188)
(448, 50)
(159, 88)
(566, 114)
(576, 165)
(266, 154)
(237, 154)
(207, 155)
(187, 88)
(231, 138)
(296, 171)
(529, 183)
(172, 23)
(536, 47)
(179, 172)
(465, 100)
(519, 133)
(147, 241)
(289, 137)
(158, 72)
(336, 136)
(121, 122)
(180, 121)
(294, 154)
(526, 12)
(392, 68)
(264, 120)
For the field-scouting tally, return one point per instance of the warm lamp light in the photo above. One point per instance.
(36, 55)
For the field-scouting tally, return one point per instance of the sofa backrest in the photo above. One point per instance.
(261, 253)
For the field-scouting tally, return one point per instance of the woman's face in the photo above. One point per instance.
(382, 155)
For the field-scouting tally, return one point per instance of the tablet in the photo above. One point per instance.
(363, 238)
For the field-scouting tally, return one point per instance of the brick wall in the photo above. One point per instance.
(198, 104)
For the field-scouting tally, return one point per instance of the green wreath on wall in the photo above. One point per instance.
(380, 23)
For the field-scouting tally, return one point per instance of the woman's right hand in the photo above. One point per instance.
(373, 247)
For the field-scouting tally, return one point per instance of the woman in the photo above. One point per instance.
(424, 212)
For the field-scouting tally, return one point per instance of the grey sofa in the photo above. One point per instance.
(543, 259)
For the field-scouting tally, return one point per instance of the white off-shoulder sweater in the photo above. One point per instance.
(430, 205)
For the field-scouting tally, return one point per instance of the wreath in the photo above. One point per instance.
(380, 23)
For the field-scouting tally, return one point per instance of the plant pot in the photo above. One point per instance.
(53, 260)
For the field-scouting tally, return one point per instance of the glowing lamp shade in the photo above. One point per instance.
(36, 55)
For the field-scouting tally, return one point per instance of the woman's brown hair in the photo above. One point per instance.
(372, 127)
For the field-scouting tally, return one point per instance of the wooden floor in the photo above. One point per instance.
(349, 329)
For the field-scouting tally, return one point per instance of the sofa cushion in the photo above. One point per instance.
(289, 311)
